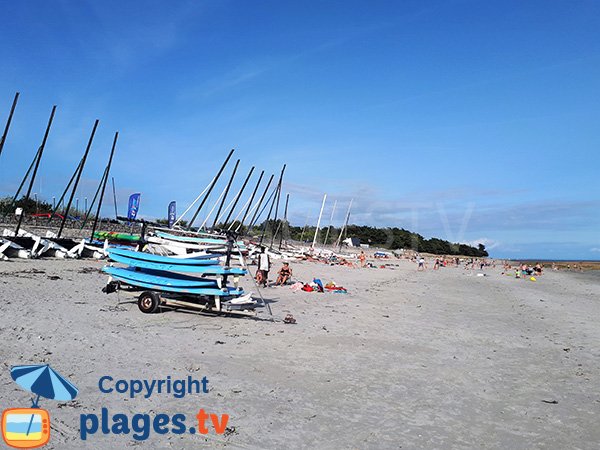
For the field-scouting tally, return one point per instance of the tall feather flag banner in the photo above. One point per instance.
(134, 206)
(172, 213)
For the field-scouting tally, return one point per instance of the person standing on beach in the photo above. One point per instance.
(363, 258)
(264, 265)
(421, 264)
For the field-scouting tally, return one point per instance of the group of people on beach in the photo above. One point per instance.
(284, 274)
(523, 270)
(444, 261)
(264, 266)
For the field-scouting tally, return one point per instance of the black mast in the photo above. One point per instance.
(37, 164)
(267, 203)
(89, 211)
(237, 163)
(237, 198)
(277, 191)
(80, 170)
(212, 185)
(254, 216)
(266, 223)
(277, 204)
(24, 180)
(115, 197)
(62, 197)
(7, 127)
(285, 215)
(107, 171)
(252, 197)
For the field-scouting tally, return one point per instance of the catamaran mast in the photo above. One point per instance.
(106, 173)
(285, 219)
(330, 222)
(80, 170)
(8, 121)
(339, 241)
(89, 211)
(24, 180)
(251, 224)
(37, 164)
(114, 197)
(252, 196)
(277, 205)
(237, 197)
(193, 203)
(212, 185)
(56, 206)
(319, 221)
(262, 210)
(276, 196)
(247, 206)
(201, 227)
(266, 222)
(237, 163)
(304, 228)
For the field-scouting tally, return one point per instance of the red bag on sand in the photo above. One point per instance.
(307, 288)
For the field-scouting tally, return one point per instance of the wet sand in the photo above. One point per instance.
(407, 359)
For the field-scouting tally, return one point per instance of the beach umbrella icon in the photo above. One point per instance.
(43, 381)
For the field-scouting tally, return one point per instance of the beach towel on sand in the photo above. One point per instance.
(296, 286)
(337, 289)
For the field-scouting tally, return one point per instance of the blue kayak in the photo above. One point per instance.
(173, 267)
(205, 260)
(164, 282)
(166, 278)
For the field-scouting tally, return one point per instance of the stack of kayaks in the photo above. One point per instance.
(168, 274)
(165, 273)
(196, 283)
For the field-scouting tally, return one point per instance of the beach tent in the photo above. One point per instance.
(352, 242)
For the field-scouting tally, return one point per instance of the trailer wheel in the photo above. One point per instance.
(148, 302)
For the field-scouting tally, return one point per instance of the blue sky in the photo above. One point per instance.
(466, 120)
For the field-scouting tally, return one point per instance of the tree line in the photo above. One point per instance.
(392, 238)
(389, 238)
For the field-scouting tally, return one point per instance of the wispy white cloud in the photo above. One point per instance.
(126, 36)
(490, 244)
(251, 69)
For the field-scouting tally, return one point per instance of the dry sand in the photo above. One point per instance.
(435, 359)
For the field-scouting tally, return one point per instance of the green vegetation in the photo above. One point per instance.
(388, 238)
(29, 207)
(165, 222)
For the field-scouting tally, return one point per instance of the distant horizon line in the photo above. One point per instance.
(552, 260)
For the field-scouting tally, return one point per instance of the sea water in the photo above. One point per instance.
(17, 425)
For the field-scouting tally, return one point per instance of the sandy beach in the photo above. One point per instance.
(406, 359)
